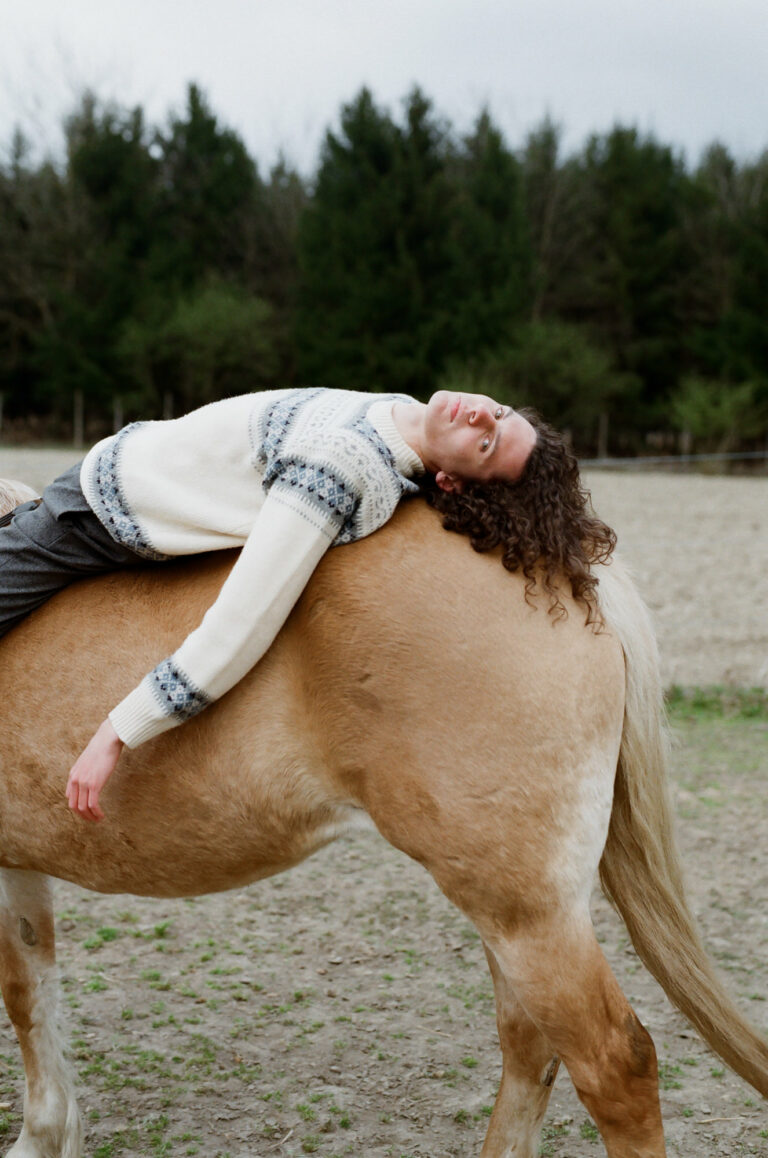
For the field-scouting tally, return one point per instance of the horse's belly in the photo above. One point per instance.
(157, 861)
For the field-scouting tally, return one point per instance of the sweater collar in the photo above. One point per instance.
(380, 417)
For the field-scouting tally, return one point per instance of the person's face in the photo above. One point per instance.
(470, 437)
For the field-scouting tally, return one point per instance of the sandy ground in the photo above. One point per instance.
(346, 1009)
(699, 548)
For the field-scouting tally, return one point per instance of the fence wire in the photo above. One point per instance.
(674, 459)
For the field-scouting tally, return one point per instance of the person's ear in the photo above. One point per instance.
(449, 483)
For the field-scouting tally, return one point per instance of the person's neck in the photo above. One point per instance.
(408, 417)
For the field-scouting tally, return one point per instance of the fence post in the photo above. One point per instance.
(78, 424)
(117, 414)
(167, 404)
(602, 434)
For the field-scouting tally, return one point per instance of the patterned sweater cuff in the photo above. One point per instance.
(138, 717)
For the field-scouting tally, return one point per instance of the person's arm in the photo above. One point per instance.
(273, 568)
(270, 573)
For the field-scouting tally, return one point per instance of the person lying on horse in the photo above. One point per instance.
(284, 475)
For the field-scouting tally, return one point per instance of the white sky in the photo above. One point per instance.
(277, 71)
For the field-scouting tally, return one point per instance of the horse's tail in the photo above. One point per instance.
(13, 494)
(640, 868)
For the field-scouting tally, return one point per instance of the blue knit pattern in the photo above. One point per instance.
(321, 487)
(350, 530)
(275, 422)
(111, 505)
(328, 489)
(176, 693)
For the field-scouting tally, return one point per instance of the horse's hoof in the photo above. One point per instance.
(27, 1147)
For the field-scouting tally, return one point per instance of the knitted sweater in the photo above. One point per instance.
(283, 474)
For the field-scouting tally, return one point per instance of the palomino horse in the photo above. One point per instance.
(509, 753)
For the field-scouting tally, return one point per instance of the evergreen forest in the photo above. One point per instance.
(151, 269)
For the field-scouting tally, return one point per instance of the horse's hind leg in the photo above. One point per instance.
(563, 982)
(529, 1069)
(29, 986)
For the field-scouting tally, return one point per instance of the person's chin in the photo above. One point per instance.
(445, 404)
(438, 400)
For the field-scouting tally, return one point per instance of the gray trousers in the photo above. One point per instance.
(47, 548)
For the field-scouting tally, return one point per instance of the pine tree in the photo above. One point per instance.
(375, 253)
(491, 274)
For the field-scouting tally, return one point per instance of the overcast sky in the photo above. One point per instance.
(690, 71)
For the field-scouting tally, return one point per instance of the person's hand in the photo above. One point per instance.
(91, 771)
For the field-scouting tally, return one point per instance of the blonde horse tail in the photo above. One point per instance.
(13, 494)
(640, 870)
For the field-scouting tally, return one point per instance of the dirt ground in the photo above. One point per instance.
(346, 1008)
(698, 546)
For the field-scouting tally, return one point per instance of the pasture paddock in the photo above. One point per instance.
(201, 1052)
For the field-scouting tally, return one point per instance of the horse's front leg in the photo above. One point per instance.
(529, 1069)
(29, 985)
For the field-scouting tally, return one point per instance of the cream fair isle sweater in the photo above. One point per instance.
(283, 474)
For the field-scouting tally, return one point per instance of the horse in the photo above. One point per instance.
(416, 687)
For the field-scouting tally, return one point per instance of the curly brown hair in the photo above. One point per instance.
(543, 521)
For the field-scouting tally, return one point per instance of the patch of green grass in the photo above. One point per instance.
(548, 1136)
(5, 1122)
(101, 937)
(588, 1131)
(718, 702)
(718, 764)
(155, 979)
(120, 1142)
(474, 997)
(95, 985)
(667, 1076)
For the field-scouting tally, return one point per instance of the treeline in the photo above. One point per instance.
(155, 268)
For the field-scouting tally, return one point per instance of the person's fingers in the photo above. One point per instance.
(82, 800)
(93, 804)
(73, 787)
(72, 794)
(85, 783)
